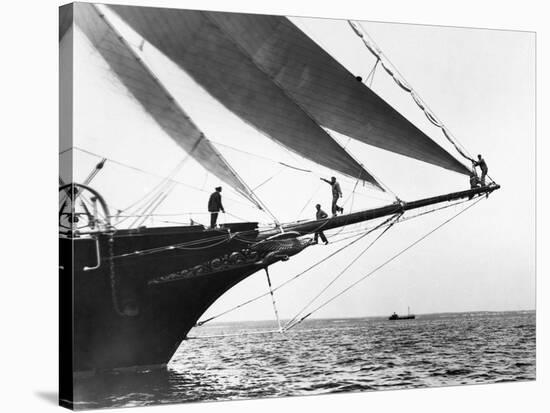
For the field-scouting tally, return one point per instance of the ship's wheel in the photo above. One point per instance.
(82, 209)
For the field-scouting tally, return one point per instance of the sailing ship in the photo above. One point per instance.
(129, 295)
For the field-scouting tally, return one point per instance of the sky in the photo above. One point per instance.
(479, 82)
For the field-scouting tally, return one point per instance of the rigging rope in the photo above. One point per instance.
(403, 84)
(226, 237)
(371, 73)
(309, 200)
(159, 200)
(382, 265)
(273, 299)
(154, 189)
(267, 180)
(165, 186)
(156, 175)
(394, 218)
(361, 236)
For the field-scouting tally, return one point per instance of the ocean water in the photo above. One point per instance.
(327, 356)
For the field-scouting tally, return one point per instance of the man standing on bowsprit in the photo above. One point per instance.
(336, 194)
(483, 166)
(215, 205)
(320, 214)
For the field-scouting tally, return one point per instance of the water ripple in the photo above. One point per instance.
(328, 356)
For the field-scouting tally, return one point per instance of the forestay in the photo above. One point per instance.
(155, 100)
(195, 42)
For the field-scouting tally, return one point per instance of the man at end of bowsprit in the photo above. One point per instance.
(215, 206)
(320, 214)
(483, 166)
(336, 194)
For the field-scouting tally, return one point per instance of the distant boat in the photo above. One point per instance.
(395, 316)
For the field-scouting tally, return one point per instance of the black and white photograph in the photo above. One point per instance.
(263, 205)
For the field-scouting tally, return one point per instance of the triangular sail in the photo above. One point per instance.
(198, 46)
(155, 100)
(326, 89)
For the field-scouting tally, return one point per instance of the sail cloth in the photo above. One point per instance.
(326, 90)
(197, 45)
(153, 98)
(65, 19)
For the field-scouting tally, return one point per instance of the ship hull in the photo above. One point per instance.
(126, 313)
(135, 294)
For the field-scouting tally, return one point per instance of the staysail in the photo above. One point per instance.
(154, 99)
(326, 89)
(210, 45)
(197, 45)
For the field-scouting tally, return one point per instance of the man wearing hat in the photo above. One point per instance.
(215, 205)
(320, 214)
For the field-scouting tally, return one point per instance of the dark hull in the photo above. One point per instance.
(403, 317)
(125, 314)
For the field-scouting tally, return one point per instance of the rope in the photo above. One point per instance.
(290, 322)
(160, 200)
(200, 323)
(156, 175)
(261, 156)
(295, 167)
(88, 179)
(222, 238)
(403, 84)
(309, 200)
(155, 188)
(273, 299)
(146, 209)
(372, 72)
(382, 265)
(268, 179)
(168, 185)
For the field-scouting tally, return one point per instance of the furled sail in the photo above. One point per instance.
(154, 99)
(197, 45)
(326, 89)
